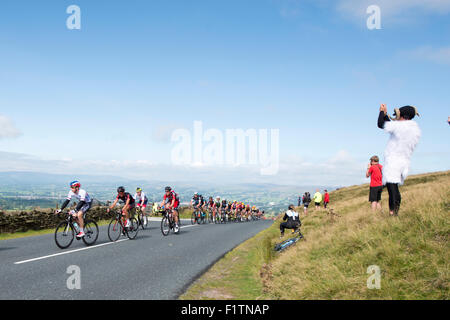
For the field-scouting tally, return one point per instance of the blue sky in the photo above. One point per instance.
(105, 99)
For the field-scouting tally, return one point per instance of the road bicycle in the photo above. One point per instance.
(237, 216)
(65, 231)
(210, 215)
(140, 218)
(168, 223)
(197, 216)
(289, 242)
(117, 227)
(223, 215)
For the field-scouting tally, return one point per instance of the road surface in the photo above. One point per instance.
(150, 267)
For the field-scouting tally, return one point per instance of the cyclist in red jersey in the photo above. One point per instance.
(129, 201)
(171, 202)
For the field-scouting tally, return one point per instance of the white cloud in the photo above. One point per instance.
(427, 53)
(7, 128)
(339, 170)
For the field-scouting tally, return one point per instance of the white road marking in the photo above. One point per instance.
(67, 252)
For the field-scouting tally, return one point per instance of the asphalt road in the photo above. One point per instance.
(150, 267)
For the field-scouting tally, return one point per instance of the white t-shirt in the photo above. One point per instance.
(138, 199)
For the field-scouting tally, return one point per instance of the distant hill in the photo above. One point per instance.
(46, 189)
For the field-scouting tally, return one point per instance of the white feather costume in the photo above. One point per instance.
(404, 136)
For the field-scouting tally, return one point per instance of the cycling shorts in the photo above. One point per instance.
(144, 205)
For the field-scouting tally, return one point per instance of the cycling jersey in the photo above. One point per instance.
(81, 196)
(141, 198)
(217, 204)
(195, 201)
(126, 196)
(169, 198)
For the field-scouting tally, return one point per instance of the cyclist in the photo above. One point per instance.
(172, 202)
(84, 204)
(234, 209)
(197, 203)
(210, 207)
(217, 206)
(255, 212)
(224, 207)
(229, 205)
(247, 212)
(129, 201)
(141, 202)
(204, 204)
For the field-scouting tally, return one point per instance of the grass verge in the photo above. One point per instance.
(412, 251)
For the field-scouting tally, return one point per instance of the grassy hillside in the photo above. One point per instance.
(412, 251)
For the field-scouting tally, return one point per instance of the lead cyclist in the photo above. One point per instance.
(84, 204)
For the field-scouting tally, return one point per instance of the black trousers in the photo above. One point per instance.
(394, 197)
(287, 225)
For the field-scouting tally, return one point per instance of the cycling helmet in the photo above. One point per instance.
(168, 189)
(120, 189)
(138, 189)
(74, 184)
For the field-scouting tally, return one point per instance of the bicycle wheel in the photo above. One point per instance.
(141, 220)
(91, 232)
(210, 217)
(64, 235)
(193, 217)
(165, 226)
(114, 230)
(133, 229)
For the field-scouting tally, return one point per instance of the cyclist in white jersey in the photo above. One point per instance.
(141, 202)
(84, 204)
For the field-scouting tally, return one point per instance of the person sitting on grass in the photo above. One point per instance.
(293, 221)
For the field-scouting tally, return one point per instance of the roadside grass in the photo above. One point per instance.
(411, 250)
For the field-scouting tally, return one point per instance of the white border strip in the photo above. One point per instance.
(67, 252)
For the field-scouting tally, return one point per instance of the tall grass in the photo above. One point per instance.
(411, 250)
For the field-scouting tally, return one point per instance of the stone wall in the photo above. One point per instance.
(41, 219)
